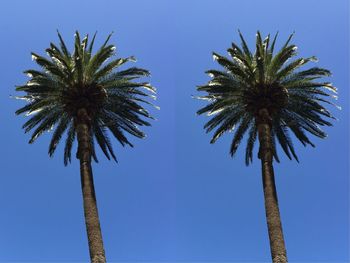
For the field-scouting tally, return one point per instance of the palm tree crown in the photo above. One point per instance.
(69, 82)
(265, 80)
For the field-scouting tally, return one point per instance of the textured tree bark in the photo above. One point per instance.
(277, 245)
(97, 253)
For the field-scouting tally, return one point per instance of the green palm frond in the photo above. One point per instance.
(251, 81)
(68, 81)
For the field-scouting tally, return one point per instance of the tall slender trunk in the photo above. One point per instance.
(277, 245)
(97, 253)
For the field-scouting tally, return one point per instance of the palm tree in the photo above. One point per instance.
(82, 94)
(266, 96)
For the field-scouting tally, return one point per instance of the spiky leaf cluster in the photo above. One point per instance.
(269, 80)
(68, 82)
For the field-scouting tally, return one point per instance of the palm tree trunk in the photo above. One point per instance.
(277, 245)
(97, 253)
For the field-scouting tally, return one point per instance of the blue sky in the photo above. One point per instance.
(174, 197)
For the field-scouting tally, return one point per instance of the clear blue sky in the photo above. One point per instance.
(174, 197)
